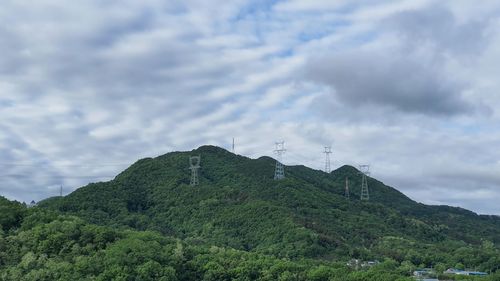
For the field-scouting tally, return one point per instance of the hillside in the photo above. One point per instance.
(38, 244)
(239, 205)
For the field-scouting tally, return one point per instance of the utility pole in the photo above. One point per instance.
(279, 172)
(194, 166)
(327, 152)
(346, 194)
(365, 172)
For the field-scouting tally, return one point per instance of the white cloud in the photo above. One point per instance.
(94, 82)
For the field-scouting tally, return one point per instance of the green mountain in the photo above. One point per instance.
(239, 205)
(40, 245)
(238, 224)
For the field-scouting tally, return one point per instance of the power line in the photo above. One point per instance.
(50, 176)
(194, 166)
(279, 172)
(63, 165)
(301, 159)
(365, 171)
(327, 152)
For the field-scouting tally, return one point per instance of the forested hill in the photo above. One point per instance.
(238, 204)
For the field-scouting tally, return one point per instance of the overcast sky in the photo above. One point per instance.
(410, 87)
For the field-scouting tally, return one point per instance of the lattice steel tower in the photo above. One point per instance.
(194, 166)
(346, 194)
(279, 172)
(365, 172)
(327, 152)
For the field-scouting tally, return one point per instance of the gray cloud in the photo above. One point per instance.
(438, 27)
(387, 78)
(410, 65)
(88, 88)
(84, 84)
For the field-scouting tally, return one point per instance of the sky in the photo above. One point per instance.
(409, 87)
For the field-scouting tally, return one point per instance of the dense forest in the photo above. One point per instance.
(239, 224)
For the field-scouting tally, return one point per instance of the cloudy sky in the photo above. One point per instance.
(410, 87)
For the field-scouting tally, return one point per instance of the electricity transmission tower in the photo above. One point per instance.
(365, 172)
(346, 194)
(327, 152)
(194, 166)
(279, 172)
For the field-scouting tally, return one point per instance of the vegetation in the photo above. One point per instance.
(61, 247)
(238, 224)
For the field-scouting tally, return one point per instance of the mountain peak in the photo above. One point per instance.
(346, 169)
(211, 148)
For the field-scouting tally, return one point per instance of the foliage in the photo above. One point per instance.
(238, 224)
(11, 214)
(67, 248)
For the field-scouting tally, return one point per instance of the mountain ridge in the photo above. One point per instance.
(238, 204)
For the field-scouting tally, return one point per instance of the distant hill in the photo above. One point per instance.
(239, 205)
(40, 244)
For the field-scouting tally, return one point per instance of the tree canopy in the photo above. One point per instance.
(237, 224)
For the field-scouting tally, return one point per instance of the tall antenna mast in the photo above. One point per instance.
(279, 172)
(365, 172)
(194, 166)
(233, 145)
(60, 191)
(347, 188)
(327, 152)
